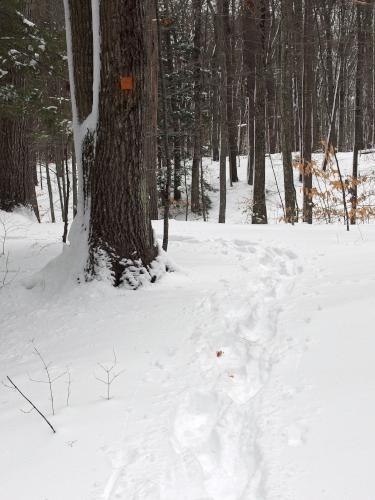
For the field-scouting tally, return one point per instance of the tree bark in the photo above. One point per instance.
(117, 202)
(259, 198)
(358, 114)
(197, 76)
(50, 193)
(223, 110)
(17, 186)
(248, 31)
(308, 77)
(231, 120)
(287, 108)
(151, 110)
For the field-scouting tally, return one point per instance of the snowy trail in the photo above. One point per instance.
(206, 394)
(318, 412)
(197, 349)
(246, 377)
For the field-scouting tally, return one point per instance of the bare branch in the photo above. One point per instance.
(110, 375)
(32, 404)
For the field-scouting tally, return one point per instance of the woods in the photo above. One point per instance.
(187, 208)
(219, 80)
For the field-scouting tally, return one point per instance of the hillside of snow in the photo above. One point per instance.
(245, 374)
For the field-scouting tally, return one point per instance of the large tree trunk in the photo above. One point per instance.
(16, 170)
(112, 153)
(17, 160)
(287, 108)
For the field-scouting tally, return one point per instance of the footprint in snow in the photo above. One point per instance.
(295, 435)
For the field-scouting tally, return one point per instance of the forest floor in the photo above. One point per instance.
(246, 374)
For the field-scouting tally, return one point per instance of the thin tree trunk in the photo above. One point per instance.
(307, 111)
(358, 114)
(50, 193)
(74, 182)
(168, 177)
(197, 77)
(61, 197)
(173, 111)
(287, 109)
(66, 214)
(248, 32)
(231, 119)
(151, 110)
(259, 200)
(223, 110)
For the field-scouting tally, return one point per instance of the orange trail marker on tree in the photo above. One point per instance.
(127, 83)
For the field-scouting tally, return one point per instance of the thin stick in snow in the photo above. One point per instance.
(110, 375)
(32, 404)
(49, 380)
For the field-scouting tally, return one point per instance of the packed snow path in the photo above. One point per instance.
(197, 349)
(191, 431)
(248, 372)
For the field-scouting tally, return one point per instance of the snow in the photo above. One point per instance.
(79, 231)
(247, 373)
(25, 21)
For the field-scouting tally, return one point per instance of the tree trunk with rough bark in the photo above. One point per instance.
(223, 110)
(231, 119)
(173, 110)
(113, 177)
(259, 198)
(287, 108)
(308, 78)
(151, 110)
(358, 113)
(197, 76)
(248, 33)
(17, 187)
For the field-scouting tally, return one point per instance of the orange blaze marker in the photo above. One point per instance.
(127, 83)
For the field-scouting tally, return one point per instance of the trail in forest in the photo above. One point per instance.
(195, 435)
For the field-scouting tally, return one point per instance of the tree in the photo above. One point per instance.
(231, 119)
(362, 12)
(287, 108)
(221, 57)
(307, 110)
(151, 110)
(259, 201)
(109, 91)
(197, 135)
(173, 103)
(248, 33)
(17, 64)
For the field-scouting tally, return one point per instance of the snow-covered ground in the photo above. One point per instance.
(246, 374)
